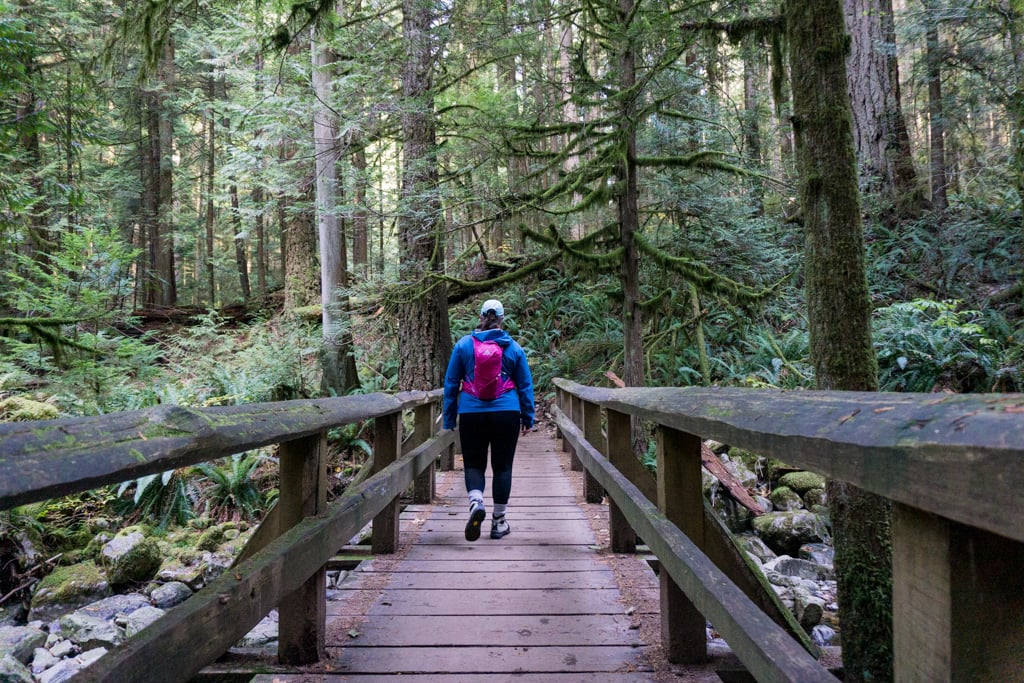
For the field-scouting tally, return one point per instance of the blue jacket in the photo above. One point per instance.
(513, 365)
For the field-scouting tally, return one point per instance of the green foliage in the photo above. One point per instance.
(166, 498)
(923, 345)
(229, 488)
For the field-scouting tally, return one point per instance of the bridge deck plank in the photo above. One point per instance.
(538, 605)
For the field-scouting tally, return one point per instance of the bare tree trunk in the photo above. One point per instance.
(839, 317)
(211, 155)
(241, 257)
(880, 130)
(164, 248)
(257, 200)
(424, 337)
(360, 227)
(336, 357)
(1015, 33)
(936, 109)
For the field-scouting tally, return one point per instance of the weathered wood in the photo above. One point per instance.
(592, 491)
(958, 596)
(619, 450)
(955, 455)
(713, 465)
(215, 618)
(576, 410)
(681, 500)
(387, 444)
(763, 647)
(423, 427)
(52, 458)
(302, 614)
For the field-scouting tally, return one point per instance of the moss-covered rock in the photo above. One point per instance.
(130, 557)
(66, 589)
(785, 532)
(801, 482)
(785, 499)
(18, 409)
(814, 498)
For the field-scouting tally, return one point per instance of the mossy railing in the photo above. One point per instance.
(952, 465)
(51, 458)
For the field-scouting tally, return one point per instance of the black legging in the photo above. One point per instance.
(500, 431)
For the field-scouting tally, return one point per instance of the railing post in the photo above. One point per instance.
(958, 593)
(386, 445)
(302, 615)
(680, 498)
(619, 446)
(592, 490)
(561, 399)
(423, 426)
(576, 414)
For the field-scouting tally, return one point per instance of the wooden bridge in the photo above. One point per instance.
(540, 600)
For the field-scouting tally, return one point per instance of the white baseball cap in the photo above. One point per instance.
(493, 305)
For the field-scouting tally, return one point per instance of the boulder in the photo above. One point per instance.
(67, 588)
(13, 671)
(42, 660)
(170, 594)
(65, 670)
(805, 569)
(20, 642)
(818, 553)
(808, 608)
(802, 482)
(785, 499)
(90, 632)
(108, 608)
(193, 576)
(785, 532)
(756, 548)
(262, 634)
(813, 497)
(130, 557)
(140, 619)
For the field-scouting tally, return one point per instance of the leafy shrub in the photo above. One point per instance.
(923, 345)
(230, 490)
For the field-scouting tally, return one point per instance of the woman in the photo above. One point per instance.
(488, 387)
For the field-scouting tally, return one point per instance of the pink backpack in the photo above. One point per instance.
(487, 383)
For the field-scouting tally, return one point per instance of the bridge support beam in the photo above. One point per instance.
(387, 443)
(424, 487)
(958, 596)
(681, 499)
(302, 615)
(592, 489)
(619, 451)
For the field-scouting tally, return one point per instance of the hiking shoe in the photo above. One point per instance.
(499, 527)
(476, 518)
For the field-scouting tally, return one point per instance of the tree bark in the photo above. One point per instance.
(301, 270)
(936, 109)
(167, 290)
(424, 337)
(241, 257)
(879, 127)
(336, 354)
(839, 316)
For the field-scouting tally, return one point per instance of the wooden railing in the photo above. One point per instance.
(952, 465)
(52, 458)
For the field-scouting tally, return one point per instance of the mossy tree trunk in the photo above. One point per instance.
(424, 337)
(839, 316)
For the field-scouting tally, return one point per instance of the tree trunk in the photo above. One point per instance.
(1015, 33)
(936, 109)
(241, 257)
(360, 226)
(336, 357)
(301, 270)
(839, 317)
(257, 199)
(424, 337)
(211, 216)
(164, 247)
(879, 128)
